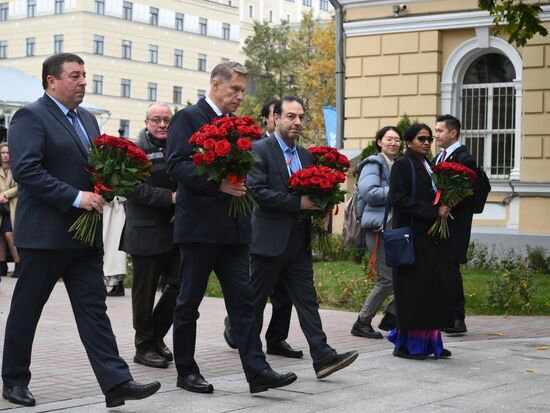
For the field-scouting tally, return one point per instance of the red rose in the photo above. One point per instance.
(222, 148)
(330, 157)
(243, 130)
(343, 161)
(209, 157)
(209, 143)
(244, 144)
(197, 158)
(255, 131)
(235, 180)
(248, 120)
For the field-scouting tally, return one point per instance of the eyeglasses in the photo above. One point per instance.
(423, 139)
(157, 121)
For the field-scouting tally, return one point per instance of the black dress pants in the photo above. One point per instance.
(459, 301)
(230, 262)
(152, 324)
(82, 273)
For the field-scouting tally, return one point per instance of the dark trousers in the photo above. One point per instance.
(294, 268)
(82, 273)
(231, 265)
(152, 324)
(280, 315)
(459, 300)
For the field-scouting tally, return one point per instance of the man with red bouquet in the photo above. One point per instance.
(213, 240)
(281, 234)
(447, 132)
(50, 141)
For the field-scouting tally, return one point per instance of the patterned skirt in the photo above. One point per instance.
(417, 342)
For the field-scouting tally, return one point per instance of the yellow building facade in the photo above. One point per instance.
(136, 53)
(425, 58)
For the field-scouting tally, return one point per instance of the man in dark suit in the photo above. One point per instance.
(212, 240)
(50, 140)
(277, 332)
(447, 132)
(281, 234)
(148, 237)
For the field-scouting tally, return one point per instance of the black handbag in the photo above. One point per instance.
(399, 242)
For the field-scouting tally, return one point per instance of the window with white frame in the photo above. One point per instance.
(153, 16)
(31, 46)
(124, 128)
(125, 88)
(31, 8)
(126, 49)
(226, 31)
(4, 11)
(59, 6)
(99, 7)
(201, 66)
(178, 57)
(127, 10)
(179, 22)
(201, 93)
(152, 91)
(250, 10)
(97, 84)
(98, 44)
(203, 26)
(323, 5)
(153, 54)
(487, 103)
(3, 49)
(177, 95)
(58, 43)
(306, 3)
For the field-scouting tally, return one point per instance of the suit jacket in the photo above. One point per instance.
(49, 163)
(149, 229)
(461, 226)
(202, 210)
(272, 223)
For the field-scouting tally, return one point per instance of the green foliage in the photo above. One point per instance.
(513, 288)
(339, 250)
(538, 260)
(519, 20)
(403, 124)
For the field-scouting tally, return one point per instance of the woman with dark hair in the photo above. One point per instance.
(8, 202)
(423, 290)
(373, 187)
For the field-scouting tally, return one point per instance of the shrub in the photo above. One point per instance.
(538, 261)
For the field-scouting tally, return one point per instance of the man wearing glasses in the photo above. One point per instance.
(148, 238)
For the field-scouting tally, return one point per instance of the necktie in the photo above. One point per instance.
(80, 133)
(443, 155)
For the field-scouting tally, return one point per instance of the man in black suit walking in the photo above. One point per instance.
(211, 240)
(281, 233)
(50, 141)
(148, 237)
(277, 331)
(447, 132)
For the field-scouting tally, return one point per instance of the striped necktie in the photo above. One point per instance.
(79, 132)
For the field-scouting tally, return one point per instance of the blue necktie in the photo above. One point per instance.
(80, 133)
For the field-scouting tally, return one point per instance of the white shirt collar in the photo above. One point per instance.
(213, 106)
(452, 148)
(61, 106)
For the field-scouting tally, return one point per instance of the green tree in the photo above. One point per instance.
(519, 20)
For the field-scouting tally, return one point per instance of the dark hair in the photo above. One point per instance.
(53, 65)
(267, 107)
(380, 134)
(413, 130)
(278, 109)
(451, 123)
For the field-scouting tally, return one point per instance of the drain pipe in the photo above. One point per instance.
(339, 43)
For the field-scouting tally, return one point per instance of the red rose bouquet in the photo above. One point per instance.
(331, 157)
(117, 167)
(322, 185)
(454, 182)
(222, 149)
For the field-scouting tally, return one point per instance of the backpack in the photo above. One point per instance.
(352, 221)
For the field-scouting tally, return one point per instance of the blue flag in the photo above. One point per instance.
(329, 114)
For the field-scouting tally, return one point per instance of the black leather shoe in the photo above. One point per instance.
(458, 328)
(3, 268)
(194, 382)
(150, 359)
(227, 333)
(362, 329)
(18, 395)
(282, 348)
(117, 290)
(338, 362)
(388, 322)
(269, 379)
(163, 350)
(445, 354)
(406, 355)
(130, 390)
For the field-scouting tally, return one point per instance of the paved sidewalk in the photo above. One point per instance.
(501, 365)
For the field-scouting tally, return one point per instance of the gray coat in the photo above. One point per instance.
(373, 190)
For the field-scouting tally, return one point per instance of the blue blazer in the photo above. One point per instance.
(49, 163)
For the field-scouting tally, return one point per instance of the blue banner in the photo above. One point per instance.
(329, 114)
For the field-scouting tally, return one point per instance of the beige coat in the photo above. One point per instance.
(8, 187)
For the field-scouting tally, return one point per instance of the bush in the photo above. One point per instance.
(538, 260)
(339, 250)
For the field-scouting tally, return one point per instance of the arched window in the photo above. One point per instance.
(487, 102)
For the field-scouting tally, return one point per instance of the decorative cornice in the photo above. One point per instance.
(374, 3)
(440, 21)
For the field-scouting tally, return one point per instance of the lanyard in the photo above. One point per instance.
(430, 172)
